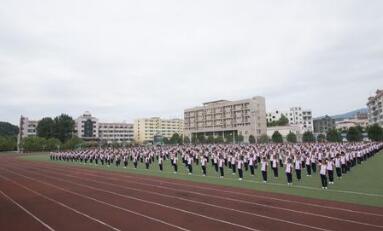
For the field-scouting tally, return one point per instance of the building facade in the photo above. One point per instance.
(87, 128)
(322, 125)
(146, 128)
(295, 115)
(285, 130)
(348, 123)
(375, 108)
(218, 118)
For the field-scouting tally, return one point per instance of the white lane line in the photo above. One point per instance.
(27, 211)
(213, 196)
(61, 204)
(204, 203)
(101, 202)
(87, 169)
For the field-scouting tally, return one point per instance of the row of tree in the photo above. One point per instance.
(61, 127)
(281, 122)
(8, 136)
(35, 144)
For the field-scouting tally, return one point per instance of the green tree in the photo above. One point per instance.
(264, 139)
(73, 143)
(321, 138)
(375, 132)
(291, 137)
(219, 140)
(229, 138)
(175, 139)
(46, 128)
(8, 129)
(239, 138)
(283, 121)
(333, 135)
(277, 137)
(166, 140)
(52, 143)
(186, 140)
(252, 139)
(210, 139)
(354, 134)
(308, 137)
(64, 127)
(33, 144)
(194, 138)
(8, 143)
(201, 138)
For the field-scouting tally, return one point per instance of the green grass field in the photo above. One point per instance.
(363, 185)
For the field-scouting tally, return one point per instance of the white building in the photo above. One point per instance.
(146, 128)
(298, 130)
(348, 123)
(295, 115)
(220, 118)
(88, 128)
(375, 108)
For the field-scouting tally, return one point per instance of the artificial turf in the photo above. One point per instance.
(363, 185)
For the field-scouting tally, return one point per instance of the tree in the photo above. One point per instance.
(239, 138)
(277, 137)
(210, 139)
(52, 143)
(46, 128)
(194, 138)
(8, 143)
(308, 137)
(186, 140)
(354, 134)
(166, 140)
(73, 143)
(219, 139)
(375, 132)
(33, 144)
(333, 135)
(291, 137)
(201, 138)
(7, 129)
(321, 138)
(229, 138)
(264, 139)
(64, 127)
(251, 139)
(175, 139)
(283, 121)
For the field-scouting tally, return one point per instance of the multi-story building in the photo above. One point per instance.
(375, 108)
(88, 128)
(146, 128)
(322, 125)
(295, 115)
(348, 123)
(218, 118)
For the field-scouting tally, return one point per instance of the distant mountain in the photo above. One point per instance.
(347, 115)
(7, 129)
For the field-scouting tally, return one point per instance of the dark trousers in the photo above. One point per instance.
(161, 167)
(275, 170)
(331, 175)
(204, 170)
(308, 169)
(240, 173)
(216, 167)
(338, 172)
(190, 168)
(135, 164)
(344, 168)
(298, 172)
(264, 175)
(252, 170)
(125, 163)
(323, 180)
(233, 167)
(289, 177)
(221, 171)
(175, 167)
(314, 167)
(147, 165)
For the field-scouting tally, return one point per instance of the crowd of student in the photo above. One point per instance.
(328, 158)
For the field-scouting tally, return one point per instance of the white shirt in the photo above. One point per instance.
(323, 169)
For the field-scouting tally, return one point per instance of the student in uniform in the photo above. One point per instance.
(338, 167)
(221, 163)
(125, 161)
(174, 161)
(147, 162)
(264, 169)
(240, 167)
(288, 170)
(233, 167)
(298, 168)
(190, 164)
(330, 171)
(251, 164)
(161, 162)
(308, 166)
(323, 172)
(135, 161)
(203, 164)
(274, 166)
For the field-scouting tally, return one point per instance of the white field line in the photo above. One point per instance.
(101, 202)
(27, 211)
(61, 204)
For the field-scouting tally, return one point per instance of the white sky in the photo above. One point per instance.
(127, 59)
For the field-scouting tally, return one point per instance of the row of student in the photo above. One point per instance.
(238, 158)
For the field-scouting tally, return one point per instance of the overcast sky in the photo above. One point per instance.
(127, 59)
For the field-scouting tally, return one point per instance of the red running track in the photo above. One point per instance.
(43, 196)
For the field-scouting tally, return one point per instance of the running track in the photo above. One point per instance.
(43, 196)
